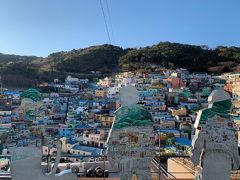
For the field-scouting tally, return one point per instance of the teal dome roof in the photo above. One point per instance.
(221, 108)
(33, 94)
(132, 116)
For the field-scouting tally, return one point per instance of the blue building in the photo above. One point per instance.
(65, 132)
(86, 150)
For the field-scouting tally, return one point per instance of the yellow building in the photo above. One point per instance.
(105, 119)
(181, 111)
(157, 86)
(100, 93)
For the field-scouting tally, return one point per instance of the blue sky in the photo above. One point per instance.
(40, 27)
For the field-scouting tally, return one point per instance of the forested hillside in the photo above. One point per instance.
(172, 55)
(31, 70)
(6, 58)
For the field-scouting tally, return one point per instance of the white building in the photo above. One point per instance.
(72, 84)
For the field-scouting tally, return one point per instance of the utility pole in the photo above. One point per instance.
(66, 109)
(104, 167)
(159, 144)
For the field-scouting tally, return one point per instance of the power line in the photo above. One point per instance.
(105, 21)
(110, 22)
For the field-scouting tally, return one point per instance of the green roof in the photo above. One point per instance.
(33, 94)
(132, 116)
(220, 108)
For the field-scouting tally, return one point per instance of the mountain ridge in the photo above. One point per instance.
(5, 58)
(108, 59)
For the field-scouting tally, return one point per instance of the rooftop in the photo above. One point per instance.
(93, 150)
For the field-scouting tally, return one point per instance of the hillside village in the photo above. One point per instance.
(79, 113)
